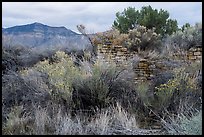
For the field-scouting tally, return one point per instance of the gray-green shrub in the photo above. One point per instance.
(186, 39)
(184, 125)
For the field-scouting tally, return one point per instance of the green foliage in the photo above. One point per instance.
(61, 73)
(172, 92)
(10, 60)
(78, 83)
(142, 89)
(182, 88)
(185, 26)
(171, 26)
(94, 89)
(16, 124)
(126, 20)
(147, 16)
(84, 86)
(176, 90)
(165, 92)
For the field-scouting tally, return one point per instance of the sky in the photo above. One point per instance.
(96, 16)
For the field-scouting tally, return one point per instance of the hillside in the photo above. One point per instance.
(40, 35)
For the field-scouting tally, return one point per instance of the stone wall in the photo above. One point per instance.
(195, 54)
(144, 69)
(114, 53)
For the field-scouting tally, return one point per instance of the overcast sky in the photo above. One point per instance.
(96, 16)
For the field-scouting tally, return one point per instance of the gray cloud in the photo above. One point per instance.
(96, 16)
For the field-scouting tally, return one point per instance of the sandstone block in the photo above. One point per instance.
(199, 57)
(197, 53)
(141, 64)
(199, 49)
(191, 57)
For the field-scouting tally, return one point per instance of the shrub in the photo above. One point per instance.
(61, 73)
(16, 124)
(165, 92)
(139, 38)
(173, 89)
(178, 90)
(112, 36)
(143, 39)
(86, 86)
(23, 90)
(143, 92)
(190, 37)
(113, 120)
(9, 60)
(147, 16)
(184, 124)
(161, 77)
(192, 126)
(18, 57)
(188, 87)
(95, 89)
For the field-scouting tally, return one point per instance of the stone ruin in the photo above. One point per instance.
(195, 54)
(114, 53)
(145, 69)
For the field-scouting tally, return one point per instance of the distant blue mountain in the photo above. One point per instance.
(39, 28)
(40, 35)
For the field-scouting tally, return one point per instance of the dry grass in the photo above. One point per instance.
(186, 123)
(113, 120)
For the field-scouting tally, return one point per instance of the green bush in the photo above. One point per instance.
(178, 90)
(95, 89)
(169, 95)
(147, 16)
(16, 124)
(164, 93)
(84, 86)
(61, 74)
(143, 89)
(90, 84)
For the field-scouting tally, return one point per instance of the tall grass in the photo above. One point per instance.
(113, 120)
(184, 124)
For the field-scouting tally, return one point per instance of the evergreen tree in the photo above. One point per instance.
(148, 17)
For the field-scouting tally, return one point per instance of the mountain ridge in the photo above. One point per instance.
(36, 26)
(40, 35)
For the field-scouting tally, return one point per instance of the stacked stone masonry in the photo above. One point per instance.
(114, 53)
(195, 54)
(145, 69)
